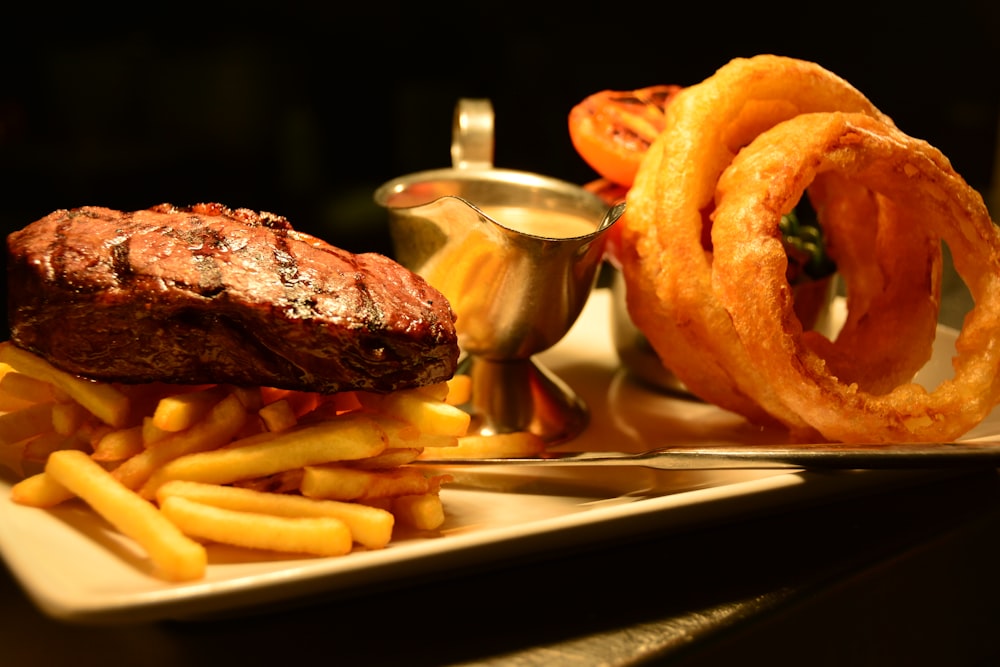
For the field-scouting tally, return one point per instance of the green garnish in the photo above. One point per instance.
(803, 240)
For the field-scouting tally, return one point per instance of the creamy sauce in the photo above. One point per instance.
(540, 222)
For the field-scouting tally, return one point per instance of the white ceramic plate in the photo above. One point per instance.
(74, 567)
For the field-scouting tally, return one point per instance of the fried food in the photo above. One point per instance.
(255, 358)
(176, 556)
(667, 255)
(918, 186)
(320, 536)
(224, 472)
(369, 526)
(891, 266)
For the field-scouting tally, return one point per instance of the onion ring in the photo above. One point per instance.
(891, 268)
(665, 260)
(748, 274)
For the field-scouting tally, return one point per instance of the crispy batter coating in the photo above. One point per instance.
(748, 275)
(667, 256)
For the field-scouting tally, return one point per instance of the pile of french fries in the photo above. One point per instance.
(177, 467)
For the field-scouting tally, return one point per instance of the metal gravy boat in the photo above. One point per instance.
(517, 255)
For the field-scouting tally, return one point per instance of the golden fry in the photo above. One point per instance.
(37, 449)
(39, 490)
(180, 411)
(26, 423)
(224, 464)
(278, 416)
(500, 445)
(345, 438)
(401, 434)
(286, 481)
(369, 526)
(215, 430)
(422, 511)
(250, 397)
(101, 399)
(11, 402)
(459, 390)
(119, 444)
(26, 387)
(336, 482)
(177, 557)
(321, 536)
(151, 433)
(390, 458)
(437, 391)
(429, 415)
(68, 418)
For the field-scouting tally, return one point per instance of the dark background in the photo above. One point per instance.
(304, 111)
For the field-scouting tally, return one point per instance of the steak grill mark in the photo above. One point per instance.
(207, 294)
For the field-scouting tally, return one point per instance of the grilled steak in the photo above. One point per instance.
(207, 294)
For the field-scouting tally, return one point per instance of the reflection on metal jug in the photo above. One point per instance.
(516, 254)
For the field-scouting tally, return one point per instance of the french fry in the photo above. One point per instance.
(27, 423)
(320, 536)
(68, 418)
(392, 457)
(151, 433)
(401, 434)
(101, 399)
(119, 444)
(286, 481)
(423, 511)
(437, 391)
(337, 482)
(176, 557)
(369, 526)
(215, 430)
(39, 490)
(37, 449)
(179, 411)
(255, 437)
(430, 415)
(26, 387)
(497, 446)
(345, 438)
(93, 430)
(459, 390)
(11, 402)
(278, 416)
(396, 430)
(249, 397)
(260, 468)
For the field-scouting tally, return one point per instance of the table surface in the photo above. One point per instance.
(907, 576)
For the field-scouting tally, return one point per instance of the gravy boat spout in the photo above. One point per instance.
(515, 293)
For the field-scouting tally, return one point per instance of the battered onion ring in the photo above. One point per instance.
(666, 265)
(748, 274)
(875, 242)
